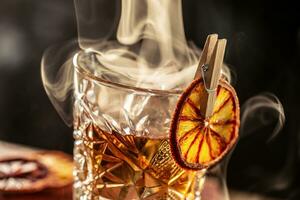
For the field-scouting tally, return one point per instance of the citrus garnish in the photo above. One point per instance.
(198, 142)
(22, 174)
(60, 167)
(34, 172)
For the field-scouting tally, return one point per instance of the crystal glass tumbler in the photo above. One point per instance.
(121, 135)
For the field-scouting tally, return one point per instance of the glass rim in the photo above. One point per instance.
(88, 74)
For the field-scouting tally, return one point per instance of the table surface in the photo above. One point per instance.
(7, 149)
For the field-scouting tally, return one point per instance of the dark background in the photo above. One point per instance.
(263, 51)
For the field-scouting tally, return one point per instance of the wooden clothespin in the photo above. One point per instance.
(209, 68)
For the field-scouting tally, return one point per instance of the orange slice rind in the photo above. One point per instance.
(199, 142)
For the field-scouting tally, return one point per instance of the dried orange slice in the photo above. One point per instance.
(60, 167)
(24, 175)
(34, 172)
(199, 142)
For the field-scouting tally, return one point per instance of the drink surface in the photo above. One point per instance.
(115, 166)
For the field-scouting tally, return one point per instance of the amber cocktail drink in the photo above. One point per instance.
(121, 135)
